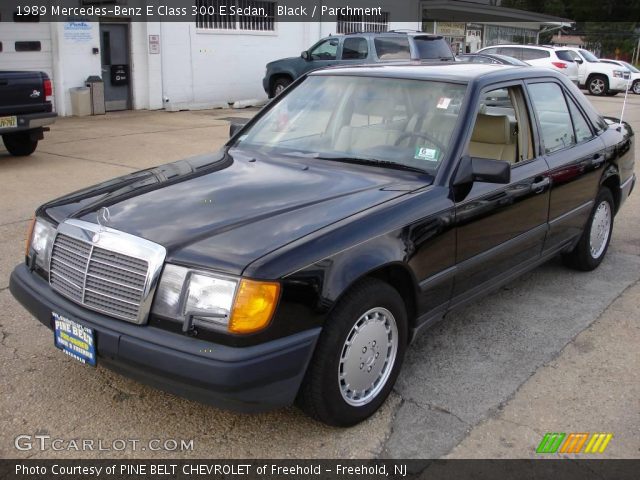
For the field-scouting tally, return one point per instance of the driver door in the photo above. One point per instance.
(501, 227)
(323, 54)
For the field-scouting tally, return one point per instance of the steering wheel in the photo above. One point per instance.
(426, 136)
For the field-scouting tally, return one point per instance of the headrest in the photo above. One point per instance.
(492, 129)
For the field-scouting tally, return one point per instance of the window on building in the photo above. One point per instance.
(32, 17)
(392, 48)
(553, 115)
(363, 23)
(258, 15)
(355, 48)
(28, 46)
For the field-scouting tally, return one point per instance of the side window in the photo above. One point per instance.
(390, 48)
(327, 50)
(534, 54)
(502, 129)
(580, 124)
(555, 121)
(355, 48)
(514, 52)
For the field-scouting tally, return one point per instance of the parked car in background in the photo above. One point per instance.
(597, 77)
(490, 58)
(634, 81)
(539, 56)
(350, 214)
(354, 49)
(25, 110)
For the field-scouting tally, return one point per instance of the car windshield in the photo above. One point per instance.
(588, 56)
(388, 122)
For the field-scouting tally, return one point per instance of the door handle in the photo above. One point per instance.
(540, 184)
(598, 159)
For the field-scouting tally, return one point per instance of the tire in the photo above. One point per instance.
(635, 88)
(19, 144)
(594, 242)
(279, 85)
(325, 394)
(598, 85)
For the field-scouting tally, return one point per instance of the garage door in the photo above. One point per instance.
(26, 46)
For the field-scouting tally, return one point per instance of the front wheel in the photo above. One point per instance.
(358, 356)
(19, 144)
(593, 244)
(635, 88)
(279, 85)
(598, 85)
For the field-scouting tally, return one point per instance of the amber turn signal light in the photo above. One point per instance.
(29, 236)
(254, 306)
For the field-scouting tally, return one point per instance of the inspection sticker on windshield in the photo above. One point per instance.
(444, 102)
(426, 153)
(74, 339)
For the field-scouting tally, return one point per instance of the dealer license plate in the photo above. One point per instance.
(74, 339)
(9, 122)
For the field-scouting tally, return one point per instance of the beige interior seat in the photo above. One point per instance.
(491, 138)
(360, 138)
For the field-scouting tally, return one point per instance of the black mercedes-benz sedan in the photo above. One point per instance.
(358, 208)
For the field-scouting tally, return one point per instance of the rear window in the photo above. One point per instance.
(391, 48)
(564, 55)
(432, 47)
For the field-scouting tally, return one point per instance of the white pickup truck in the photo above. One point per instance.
(598, 77)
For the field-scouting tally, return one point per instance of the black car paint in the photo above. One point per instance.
(319, 226)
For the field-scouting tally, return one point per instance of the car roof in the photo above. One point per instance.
(449, 72)
(390, 33)
(513, 45)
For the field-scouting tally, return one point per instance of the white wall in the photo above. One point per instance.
(73, 59)
(204, 69)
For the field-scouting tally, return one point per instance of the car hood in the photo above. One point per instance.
(223, 211)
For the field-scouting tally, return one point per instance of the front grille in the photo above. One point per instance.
(100, 279)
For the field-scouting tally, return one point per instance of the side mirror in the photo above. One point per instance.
(305, 55)
(578, 60)
(474, 169)
(236, 126)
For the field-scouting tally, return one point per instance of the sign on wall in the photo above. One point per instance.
(78, 32)
(451, 29)
(154, 44)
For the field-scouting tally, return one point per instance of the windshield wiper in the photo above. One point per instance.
(371, 161)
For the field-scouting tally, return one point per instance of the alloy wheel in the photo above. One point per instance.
(367, 357)
(600, 229)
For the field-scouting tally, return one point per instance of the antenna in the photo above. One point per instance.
(624, 103)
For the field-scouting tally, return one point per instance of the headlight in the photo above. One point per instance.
(618, 73)
(215, 302)
(40, 241)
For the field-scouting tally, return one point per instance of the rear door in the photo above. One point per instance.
(354, 50)
(575, 155)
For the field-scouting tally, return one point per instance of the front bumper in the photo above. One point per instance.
(618, 84)
(247, 379)
(30, 121)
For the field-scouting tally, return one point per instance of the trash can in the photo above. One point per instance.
(80, 101)
(96, 85)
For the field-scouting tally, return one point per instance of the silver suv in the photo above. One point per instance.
(558, 58)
